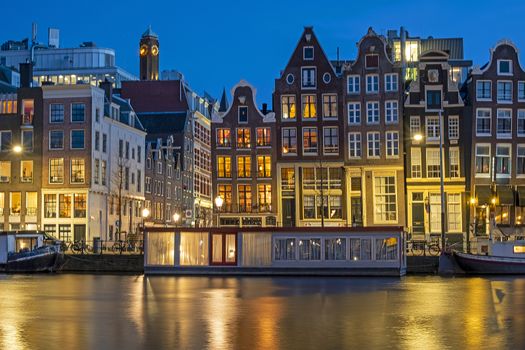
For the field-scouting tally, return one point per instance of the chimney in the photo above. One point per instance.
(26, 74)
(264, 108)
(107, 86)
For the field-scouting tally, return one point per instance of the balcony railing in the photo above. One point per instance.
(5, 179)
(31, 211)
(237, 209)
(15, 212)
(26, 178)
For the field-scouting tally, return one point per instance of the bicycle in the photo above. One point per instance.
(417, 248)
(81, 247)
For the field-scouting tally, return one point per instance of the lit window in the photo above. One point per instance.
(5, 171)
(289, 139)
(244, 166)
(224, 167)
(244, 198)
(433, 163)
(243, 138)
(288, 107)
(78, 170)
(385, 199)
(483, 159)
(309, 106)
(330, 140)
(28, 111)
(264, 197)
(223, 137)
(263, 137)
(26, 171)
(264, 166)
(56, 170)
(309, 140)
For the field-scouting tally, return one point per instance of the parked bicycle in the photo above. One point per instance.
(81, 247)
(422, 247)
(121, 246)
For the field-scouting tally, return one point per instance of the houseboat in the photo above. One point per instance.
(29, 251)
(275, 251)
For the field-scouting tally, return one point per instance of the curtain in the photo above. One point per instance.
(256, 249)
(161, 248)
(194, 248)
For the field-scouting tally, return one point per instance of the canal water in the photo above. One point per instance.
(69, 311)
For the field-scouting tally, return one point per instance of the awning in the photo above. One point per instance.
(521, 196)
(505, 195)
(483, 195)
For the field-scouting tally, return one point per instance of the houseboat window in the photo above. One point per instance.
(519, 249)
(194, 248)
(310, 249)
(161, 248)
(335, 249)
(355, 249)
(26, 243)
(386, 249)
(284, 249)
(366, 249)
(256, 249)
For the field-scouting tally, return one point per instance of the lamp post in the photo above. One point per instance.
(219, 201)
(145, 214)
(176, 218)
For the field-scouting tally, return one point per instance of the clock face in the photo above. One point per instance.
(155, 50)
(143, 50)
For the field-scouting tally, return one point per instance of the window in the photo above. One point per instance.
(520, 170)
(284, 249)
(308, 53)
(453, 127)
(330, 140)
(56, 113)
(391, 112)
(264, 197)
(454, 162)
(372, 61)
(64, 232)
(372, 83)
(483, 90)
(5, 141)
(290, 79)
(15, 203)
(504, 67)
(79, 205)
(308, 77)
(26, 171)
(309, 106)
(105, 144)
(483, 121)
(415, 126)
(97, 140)
(77, 112)
(504, 123)
(482, 159)
(454, 212)
(27, 140)
(309, 140)
(335, 249)
(372, 112)
(78, 171)
(521, 90)
(330, 106)
(353, 82)
(225, 192)
(386, 248)
(64, 205)
(243, 114)
(103, 168)
(354, 113)
(392, 144)
(244, 165)
(243, 138)
(127, 150)
(223, 137)
(415, 163)
(391, 82)
(385, 199)
(263, 137)
(504, 92)
(139, 154)
(264, 166)
(521, 122)
(77, 139)
(433, 163)
(354, 145)
(56, 170)
(50, 205)
(433, 131)
(289, 139)
(373, 145)
(5, 171)
(245, 198)
(56, 139)
(120, 148)
(308, 207)
(433, 99)
(28, 111)
(288, 107)
(309, 249)
(503, 160)
(96, 171)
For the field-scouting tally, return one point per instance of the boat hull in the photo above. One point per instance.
(490, 265)
(48, 262)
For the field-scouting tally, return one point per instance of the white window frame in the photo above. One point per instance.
(489, 118)
(356, 83)
(391, 138)
(304, 51)
(49, 141)
(302, 139)
(369, 110)
(391, 106)
(432, 153)
(376, 177)
(356, 113)
(412, 125)
(71, 139)
(394, 80)
(374, 80)
(355, 144)
(375, 149)
(497, 91)
(520, 117)
(330, 152)
(509, 147)
(282, 141)
(303, 87)
(520, 146)
(454, 161)
(435, 128)
(454, 202)
(415, 161)
(453, 127)
(478, 98)
(476, 154)
(522, 84)
(506, 135)
(510, 67)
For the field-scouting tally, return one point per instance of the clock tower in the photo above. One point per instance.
(149, 55)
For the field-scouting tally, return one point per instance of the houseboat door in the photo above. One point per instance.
(223, 249)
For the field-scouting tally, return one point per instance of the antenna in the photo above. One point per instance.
(33, 32)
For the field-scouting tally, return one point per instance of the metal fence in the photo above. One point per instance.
(99, 246)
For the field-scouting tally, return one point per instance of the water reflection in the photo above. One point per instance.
(134, 312)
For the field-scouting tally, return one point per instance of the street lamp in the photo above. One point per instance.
(176, 218)
(145, 214)
(17, 149)
(219, 201)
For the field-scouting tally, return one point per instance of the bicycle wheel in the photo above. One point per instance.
(418, 249)
(88, 248)
(116, 248)
(434, 250)
(76, 247)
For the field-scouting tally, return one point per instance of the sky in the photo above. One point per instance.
(217, 43)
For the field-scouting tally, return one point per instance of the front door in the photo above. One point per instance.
(481, 221)
(79, 232)
(223, 249)
(288, 212)
(418, 218)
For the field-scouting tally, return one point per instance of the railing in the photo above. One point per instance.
(99, 246)
(31, 211)
(5, 179)
(236, 209)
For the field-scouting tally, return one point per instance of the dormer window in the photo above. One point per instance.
(308, 53)
(372, 61)
(308, 77)
(243, 114)
(504, 67)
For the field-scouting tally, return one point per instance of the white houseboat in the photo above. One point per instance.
(377, 251)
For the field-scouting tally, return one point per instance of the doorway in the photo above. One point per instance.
(79, 232)
(289, 212)
(223, 249)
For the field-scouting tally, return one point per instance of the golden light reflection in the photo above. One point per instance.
(221, 307)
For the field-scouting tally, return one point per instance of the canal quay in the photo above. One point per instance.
(79, 311)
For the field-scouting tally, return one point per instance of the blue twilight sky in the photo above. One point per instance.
(217, 43)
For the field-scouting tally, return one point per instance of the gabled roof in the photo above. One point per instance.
(452, 46)
(223, 107)
(155, 95)
(164, 123)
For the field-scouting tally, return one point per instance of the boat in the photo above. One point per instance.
(502, 258)
(28, 252)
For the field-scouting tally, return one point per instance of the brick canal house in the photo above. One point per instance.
(308, 105)
(496, 144)
(243, 159)
(374, 135)
(434, 90)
